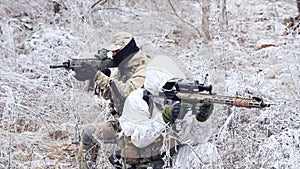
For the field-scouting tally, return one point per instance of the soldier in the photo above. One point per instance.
(148, 121)
(130, 74)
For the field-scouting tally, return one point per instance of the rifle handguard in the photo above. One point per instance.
(254, 102)
(240, 102)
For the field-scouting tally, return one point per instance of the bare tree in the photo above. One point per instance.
(298, 6)
(205, 17)
(224, 15)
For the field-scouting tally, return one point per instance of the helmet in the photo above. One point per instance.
(119, 41)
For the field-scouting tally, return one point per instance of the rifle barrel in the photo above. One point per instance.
(63, 65)
(57, 66)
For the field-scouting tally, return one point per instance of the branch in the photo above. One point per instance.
(101, 2)
(200, 32)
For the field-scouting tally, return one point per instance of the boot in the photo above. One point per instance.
(82, 161)
(81, 164)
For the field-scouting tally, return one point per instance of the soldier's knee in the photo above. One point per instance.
(87, 134)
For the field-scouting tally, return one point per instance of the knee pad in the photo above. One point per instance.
(87, 134)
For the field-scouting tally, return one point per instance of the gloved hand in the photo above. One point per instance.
(101, 79)
(103, 54)
(171, 113)
(102, 85)
(204, 110)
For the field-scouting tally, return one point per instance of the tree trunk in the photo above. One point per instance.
(224, 15)
(298, 5)
(205, 17)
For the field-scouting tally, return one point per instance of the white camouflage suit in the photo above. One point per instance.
(145, 125)
(142, 121)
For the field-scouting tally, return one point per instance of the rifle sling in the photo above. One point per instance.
(119, 102)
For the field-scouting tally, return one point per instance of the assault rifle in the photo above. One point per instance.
(194, 93)
(86, 68)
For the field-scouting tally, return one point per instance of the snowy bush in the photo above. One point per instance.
(247, 53)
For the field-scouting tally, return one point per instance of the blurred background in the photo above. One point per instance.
(247, 48)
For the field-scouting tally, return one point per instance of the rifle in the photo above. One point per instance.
(119, 100)
(86, 68)
(194, 93)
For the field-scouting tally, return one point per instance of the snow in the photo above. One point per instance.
(42, 110)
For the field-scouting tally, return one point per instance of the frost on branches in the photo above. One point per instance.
(242, 45)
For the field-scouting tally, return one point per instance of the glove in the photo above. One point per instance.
(101, 79)
(171, 113)
(102, 85)
(204, 110)
(103, 54)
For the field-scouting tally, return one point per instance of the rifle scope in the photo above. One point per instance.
(192, 87)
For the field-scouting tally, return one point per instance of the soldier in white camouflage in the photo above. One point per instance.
(129, 75)
(148, 121)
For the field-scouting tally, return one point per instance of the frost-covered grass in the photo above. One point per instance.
(42, 110)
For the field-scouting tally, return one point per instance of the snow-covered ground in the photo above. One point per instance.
(42, 109)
